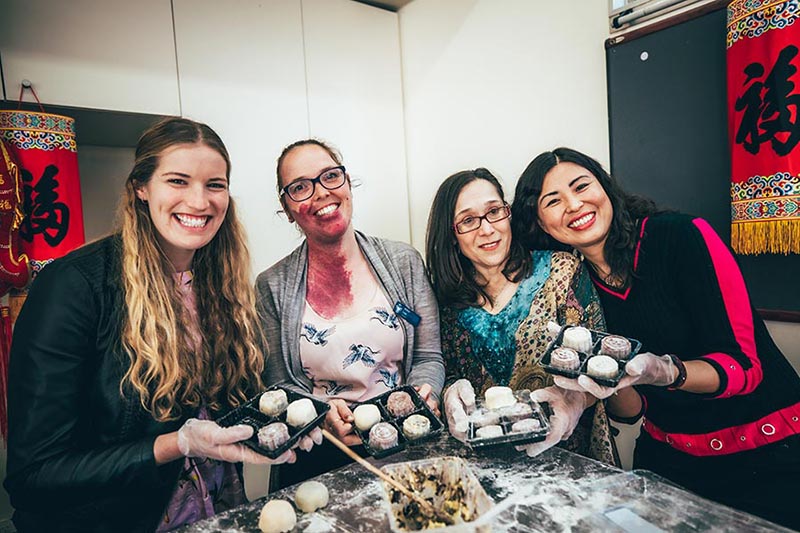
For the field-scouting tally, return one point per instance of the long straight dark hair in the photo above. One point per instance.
(628, 209)
(452, 274)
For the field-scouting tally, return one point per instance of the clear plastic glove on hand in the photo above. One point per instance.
(459, 399)
(644, 369)
(206, 438)
(567, 407)
(339, 422)
(426, 393)
(308, 441)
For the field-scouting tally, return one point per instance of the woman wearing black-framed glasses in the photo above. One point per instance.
(347, 316)
(496, 301)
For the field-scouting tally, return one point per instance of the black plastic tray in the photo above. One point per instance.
(248, 413)
(597, 337)
(421, 408)
(541, 411)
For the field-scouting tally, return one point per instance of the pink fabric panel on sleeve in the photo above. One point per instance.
(740, 316)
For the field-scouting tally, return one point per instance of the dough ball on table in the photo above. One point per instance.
(416, 426)
(602, 366)
(273, 436)
(365, 416)
(565, 358)
(310, 496)
(273, 402)
(497, 397)
(399, 403)
(615, 346)
(577, 338)
(300, 412)
(277, 516)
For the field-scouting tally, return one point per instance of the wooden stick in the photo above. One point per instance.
(425, 504)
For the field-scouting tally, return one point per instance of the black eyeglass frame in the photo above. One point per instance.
(314, 182)
(481, 218)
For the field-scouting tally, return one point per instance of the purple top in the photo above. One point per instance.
(205, 486)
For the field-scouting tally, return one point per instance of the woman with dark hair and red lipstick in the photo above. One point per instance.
(348, 316)
(721, 403)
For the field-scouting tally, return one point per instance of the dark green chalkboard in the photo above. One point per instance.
(669, 139)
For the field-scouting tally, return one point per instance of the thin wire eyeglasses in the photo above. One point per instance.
(303, 189)
(472, 223)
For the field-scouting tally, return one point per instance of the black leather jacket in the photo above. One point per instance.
(80, 455)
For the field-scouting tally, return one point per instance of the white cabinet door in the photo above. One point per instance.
(103, 54)
(355, 101)
(242, 72)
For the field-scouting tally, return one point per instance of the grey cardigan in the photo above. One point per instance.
(281, 296)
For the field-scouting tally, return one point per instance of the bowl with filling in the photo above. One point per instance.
(447, 483)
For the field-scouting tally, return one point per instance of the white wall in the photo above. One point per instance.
(493, 83)
(103, 172)
(355, 100)
(242, 71)
(110, 54)
(265, 74)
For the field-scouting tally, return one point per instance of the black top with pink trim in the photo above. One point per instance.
(688, 298)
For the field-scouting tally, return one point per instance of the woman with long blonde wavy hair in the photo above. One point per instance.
(127, 349)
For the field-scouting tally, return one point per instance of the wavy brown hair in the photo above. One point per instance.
(175, 363)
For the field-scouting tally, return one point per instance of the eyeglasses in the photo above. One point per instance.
(303, 189)
(471, 223)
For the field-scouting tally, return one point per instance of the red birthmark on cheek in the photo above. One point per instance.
(320, 229)
(303, 211)
(329, 288)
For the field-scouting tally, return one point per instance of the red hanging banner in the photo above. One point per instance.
(43, 145)
(764, 125)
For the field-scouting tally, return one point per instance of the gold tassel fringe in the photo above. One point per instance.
(772, 237)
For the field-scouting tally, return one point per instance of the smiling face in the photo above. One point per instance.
(187, 198)
(574, 209)
(327, 215)
(488, 246)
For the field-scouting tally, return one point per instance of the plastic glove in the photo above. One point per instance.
(339, 422)
(206, 438)
(459, 399)
(308, 441)
(426, 393)
(567, 406)
(644, 369)
(553, 328)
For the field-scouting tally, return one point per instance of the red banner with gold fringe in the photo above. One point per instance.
(764, 125)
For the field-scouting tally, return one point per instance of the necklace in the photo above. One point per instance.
(610, 279)
(498, 299)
